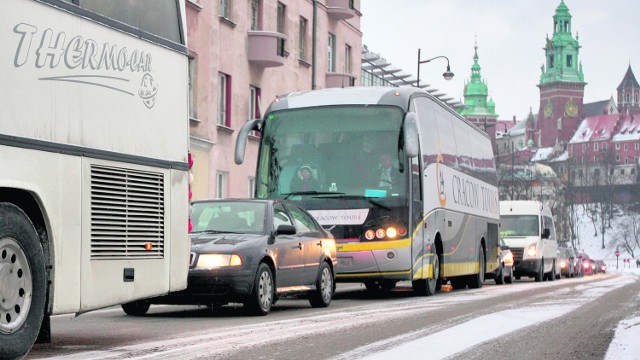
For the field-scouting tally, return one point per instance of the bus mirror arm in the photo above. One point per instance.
(241, 141)
(410, 132)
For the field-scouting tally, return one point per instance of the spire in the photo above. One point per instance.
(629, 81)
(476, 91)
(562, 50)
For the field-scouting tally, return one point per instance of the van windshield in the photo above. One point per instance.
(519, 225)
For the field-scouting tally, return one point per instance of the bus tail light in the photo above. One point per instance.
(402, 231)
(392, 232)
(369, 234)
(380, 233)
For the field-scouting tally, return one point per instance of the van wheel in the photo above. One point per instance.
(539, 276)
(23, 285)
(136, 308)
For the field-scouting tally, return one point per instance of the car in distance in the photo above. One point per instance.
(587, 264)
(565, 262)
(600, 267)
(577, 263)
(253, 252)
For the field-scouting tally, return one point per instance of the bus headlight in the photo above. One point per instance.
(209, 261)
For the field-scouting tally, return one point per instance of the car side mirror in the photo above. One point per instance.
(546, 233)
(286, 230)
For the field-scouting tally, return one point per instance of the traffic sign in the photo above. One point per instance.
(617, 253)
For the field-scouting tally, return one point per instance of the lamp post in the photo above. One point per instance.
(448, 75)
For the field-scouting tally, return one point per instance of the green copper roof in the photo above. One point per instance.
(475, 93)
(561, 51)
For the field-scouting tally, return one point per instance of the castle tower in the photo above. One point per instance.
(477, 109)
(561, 85)
(629, 94)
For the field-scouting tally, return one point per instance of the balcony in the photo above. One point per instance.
(340, 9)
(339, 80)
(266, 48)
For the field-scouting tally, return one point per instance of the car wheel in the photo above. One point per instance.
(500, 275)
(322, 295)
(23, 285)
(509, 278)
(539, 276)
(261, 298)
(136, 308)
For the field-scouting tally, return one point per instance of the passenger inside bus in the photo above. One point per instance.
(305, 180)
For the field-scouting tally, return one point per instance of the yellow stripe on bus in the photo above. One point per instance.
(406, 272)
(374, 245)
(455, 269)
(425, 272)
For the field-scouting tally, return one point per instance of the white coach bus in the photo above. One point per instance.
(94, 145)
(406, 185)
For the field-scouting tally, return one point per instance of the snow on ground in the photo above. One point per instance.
(488, 327)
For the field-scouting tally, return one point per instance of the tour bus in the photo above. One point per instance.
(94, 145)
(527, 227)
(431, 217)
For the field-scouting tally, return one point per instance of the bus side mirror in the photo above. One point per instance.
(410, 131)
(546, 233)
(241, 141)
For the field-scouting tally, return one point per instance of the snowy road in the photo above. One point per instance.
(572, 318)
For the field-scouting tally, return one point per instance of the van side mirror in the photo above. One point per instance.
(410, 132)
(546, 233)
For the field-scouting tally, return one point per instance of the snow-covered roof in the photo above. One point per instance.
(518, 129)
(562, 157)
(542, 154)
(629, 129)
(595, 128)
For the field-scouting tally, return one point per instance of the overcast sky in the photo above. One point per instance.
(511, 36)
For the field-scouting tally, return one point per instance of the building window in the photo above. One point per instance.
(625, 147)
(192, 87)
(604, 146)
(596, 172)
(584, 147)
(552, 61)
(302, 39)
(621, 171)
(225, 9)
(579, 173)
(224, 100)
(611, 172)
(617, 158)
(628, 98)
(636, 146)
(636, 101)
(254, 106)
(255, 15)
(347, 59)
(626, 160)
(633, 171)
(569, 61)
(617, 146)
(595, 146)
(595, 159)
(252, 186)
(221, 184)
(281, 29)
(331, 53)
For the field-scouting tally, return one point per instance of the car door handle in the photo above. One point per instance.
(319, 243)
(300, 246)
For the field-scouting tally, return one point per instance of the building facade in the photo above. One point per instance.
(244, 53)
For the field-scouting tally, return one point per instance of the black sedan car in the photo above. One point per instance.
(253, 252)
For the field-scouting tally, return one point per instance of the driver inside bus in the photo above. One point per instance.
(386, 175)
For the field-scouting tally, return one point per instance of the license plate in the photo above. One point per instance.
(345, 261)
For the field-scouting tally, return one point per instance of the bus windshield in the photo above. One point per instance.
(345, 152)
(519, 225)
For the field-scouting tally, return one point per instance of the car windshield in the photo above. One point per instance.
(228, 217)
(519, 225)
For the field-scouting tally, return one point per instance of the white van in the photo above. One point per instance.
(527, 228)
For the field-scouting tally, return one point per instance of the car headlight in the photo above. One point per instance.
(218, 260)
(531, 250)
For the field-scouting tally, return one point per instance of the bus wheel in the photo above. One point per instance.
(476, 281)
(22, 282)
(428, 287)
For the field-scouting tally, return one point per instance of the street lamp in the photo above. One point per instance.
(448, 75)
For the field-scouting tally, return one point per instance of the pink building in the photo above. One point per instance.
(244, 54)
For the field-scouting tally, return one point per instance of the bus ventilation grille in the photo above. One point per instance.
(127, 213)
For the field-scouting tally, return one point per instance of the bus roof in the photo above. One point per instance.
(364, 95)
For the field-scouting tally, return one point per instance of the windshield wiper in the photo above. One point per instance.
(361, 197)
(308, 193)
